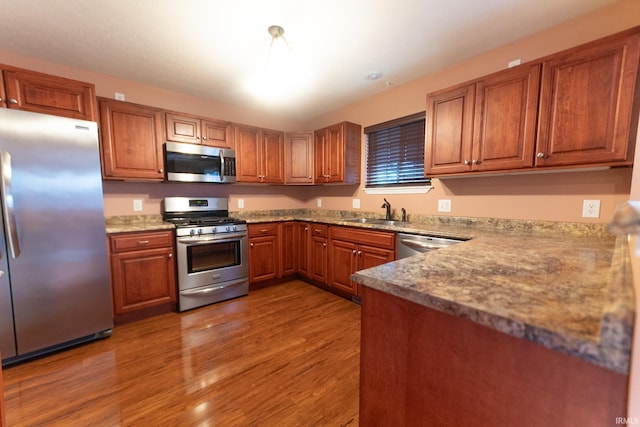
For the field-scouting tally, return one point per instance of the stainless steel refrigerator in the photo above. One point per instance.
(54, 277)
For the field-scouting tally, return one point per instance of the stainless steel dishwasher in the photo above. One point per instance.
(412, 244)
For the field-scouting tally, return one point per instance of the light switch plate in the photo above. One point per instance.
(319, 203)
(137, 205)
(240, 203)
(356, 204)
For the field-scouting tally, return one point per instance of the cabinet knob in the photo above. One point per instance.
(353, 251)
(541, 155)
(359, 253)
(251, 244)
(161, 170)
(324, 245)
(475, 162)
(204, 138)
(170, 255)
(13, 101)
(466, 162)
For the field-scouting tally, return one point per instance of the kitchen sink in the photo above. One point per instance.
(375, 221)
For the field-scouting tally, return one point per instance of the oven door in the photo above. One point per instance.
(210, 259)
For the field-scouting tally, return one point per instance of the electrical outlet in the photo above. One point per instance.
(119, 96)
(240, 203)
(356, 204)
(137, 205)
(591, 209)
(319, 203)
(444, 205)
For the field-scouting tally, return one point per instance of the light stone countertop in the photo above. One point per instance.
(566, 286)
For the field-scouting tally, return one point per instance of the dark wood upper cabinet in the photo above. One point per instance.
(298, 162)
(576, 108)
(337, 155)
(587, 101)
(43, 93)
(131, 141)
(198, 130)
(259, 154)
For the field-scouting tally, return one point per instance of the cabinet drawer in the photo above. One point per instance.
(267, 229)
(136, 241)
(319, 230)
(378, 239)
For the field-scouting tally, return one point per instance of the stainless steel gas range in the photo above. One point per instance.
(212, 251)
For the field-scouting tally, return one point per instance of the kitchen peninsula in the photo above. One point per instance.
(504, 329)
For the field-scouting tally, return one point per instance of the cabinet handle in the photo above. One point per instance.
(13, 101)
(306, 229)
(541, 155)
(264, 230)
(317, 230)
(143, 242)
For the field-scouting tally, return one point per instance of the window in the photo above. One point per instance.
(395, 153)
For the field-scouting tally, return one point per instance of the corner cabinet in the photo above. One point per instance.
(337, 154)
(353, 249)
(259, 154)
(298, 158)
(142, 271)
(198, 130)
(571, 109)
(43, 93)
(131, 141)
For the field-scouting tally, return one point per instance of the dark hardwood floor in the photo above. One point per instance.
(286, 355)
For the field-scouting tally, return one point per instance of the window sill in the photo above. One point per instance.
(418, 189)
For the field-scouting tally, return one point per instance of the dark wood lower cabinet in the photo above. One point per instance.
(422, 367)
(142, 273)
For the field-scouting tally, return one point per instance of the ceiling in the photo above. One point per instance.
(213, 48)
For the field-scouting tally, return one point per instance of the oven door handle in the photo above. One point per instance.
(209, 289)
(201, 241)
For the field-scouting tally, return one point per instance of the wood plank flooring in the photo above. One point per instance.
(286, 355)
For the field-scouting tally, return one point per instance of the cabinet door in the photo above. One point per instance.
(217, 134)
(448, 130)
(263, 258)
(247, 154)
(289, 248)
(342, 263)
(131, 141)
(334, 160)
(43, 93)
(505, 119)
(142, 279)
(319, 156)
(272, 157)
(181, 128)
(298, 160)
(318, 262)
(586, 102)
(301, 248)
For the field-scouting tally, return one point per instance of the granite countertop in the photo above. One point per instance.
(566, 286)
(133, 223)
(572, 294)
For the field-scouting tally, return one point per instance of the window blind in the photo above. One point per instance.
(395, 152)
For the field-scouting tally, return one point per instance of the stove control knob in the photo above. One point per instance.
(235, 228)
(228, 228)
(192, 231)
(199, 230)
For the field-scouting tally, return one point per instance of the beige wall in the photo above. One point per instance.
(556, 197)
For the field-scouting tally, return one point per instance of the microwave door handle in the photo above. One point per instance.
(222, 171)
(8, 209)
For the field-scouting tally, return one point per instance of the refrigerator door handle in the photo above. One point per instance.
(8, 211)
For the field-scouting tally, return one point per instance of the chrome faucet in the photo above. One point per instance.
(387, 205)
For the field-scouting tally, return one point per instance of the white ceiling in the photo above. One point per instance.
(212, 48)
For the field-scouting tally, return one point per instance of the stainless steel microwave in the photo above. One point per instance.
(199, 163)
